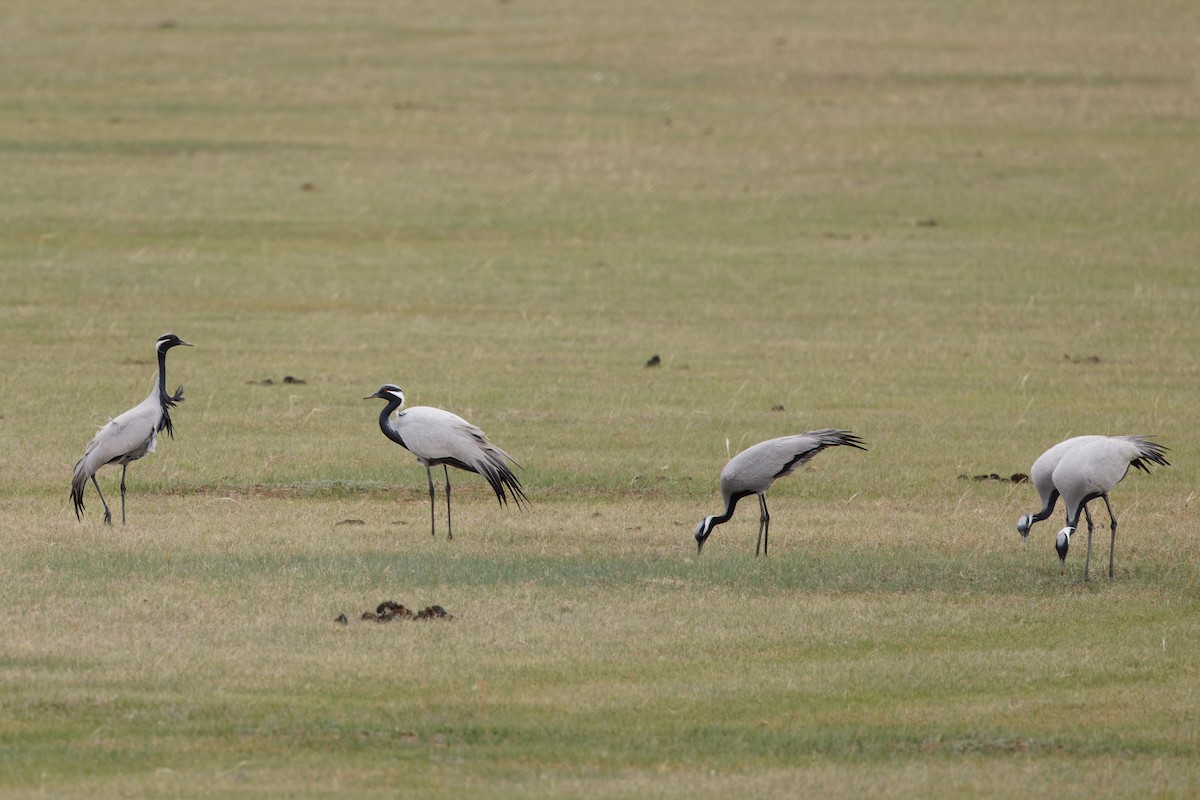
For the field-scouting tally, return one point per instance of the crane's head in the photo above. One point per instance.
(1024, 524)
(703, 529)
(1063, 543)
(390, 392)
(167, 341)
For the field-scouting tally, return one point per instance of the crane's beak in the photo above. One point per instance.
(368, 397)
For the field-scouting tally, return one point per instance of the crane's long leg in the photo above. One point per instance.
(1113, 544)
(432, 528)
(449, 529)
(1087, 563)
(107, 513)
(123, 468)
(764, 525)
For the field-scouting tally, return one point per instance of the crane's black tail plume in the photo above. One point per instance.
(1148, 452)
(78, 482)
(502, 480)
(837, 438)
(824, 439)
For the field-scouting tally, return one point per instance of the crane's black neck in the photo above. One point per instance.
(1049, 508)
(1073, 513)
(386, 427)
(168, 401)
(730, 505)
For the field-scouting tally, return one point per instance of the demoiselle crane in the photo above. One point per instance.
(129, 436)
(438, 437)
(753, 470)
(1090, 470)
(1042, 477)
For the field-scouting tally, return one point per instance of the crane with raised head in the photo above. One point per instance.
(436, 437)
(129, 436)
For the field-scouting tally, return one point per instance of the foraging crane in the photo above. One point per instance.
(1041, 474)
(1090, 470)
(129, 436)
(437, 437)
(753, 470)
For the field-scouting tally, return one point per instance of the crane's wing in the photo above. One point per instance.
(757, 467)
(131, 434)
(436, 436)
(1098, 466)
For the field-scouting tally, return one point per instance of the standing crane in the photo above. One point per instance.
(1090, 470)
(438, 437)
(129, 436)
(753, 470)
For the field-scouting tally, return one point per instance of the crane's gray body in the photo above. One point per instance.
(753, 470)
(1080, 470)
(1094, 467)
(1041, 474)
(124, 438)
(128, 436)
(438, 437)
(760, 465)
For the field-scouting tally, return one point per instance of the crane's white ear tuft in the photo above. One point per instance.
(703, 529)
(169, 340)
(389, 391)
(1062, 543)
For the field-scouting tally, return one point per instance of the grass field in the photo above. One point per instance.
(963, 230)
